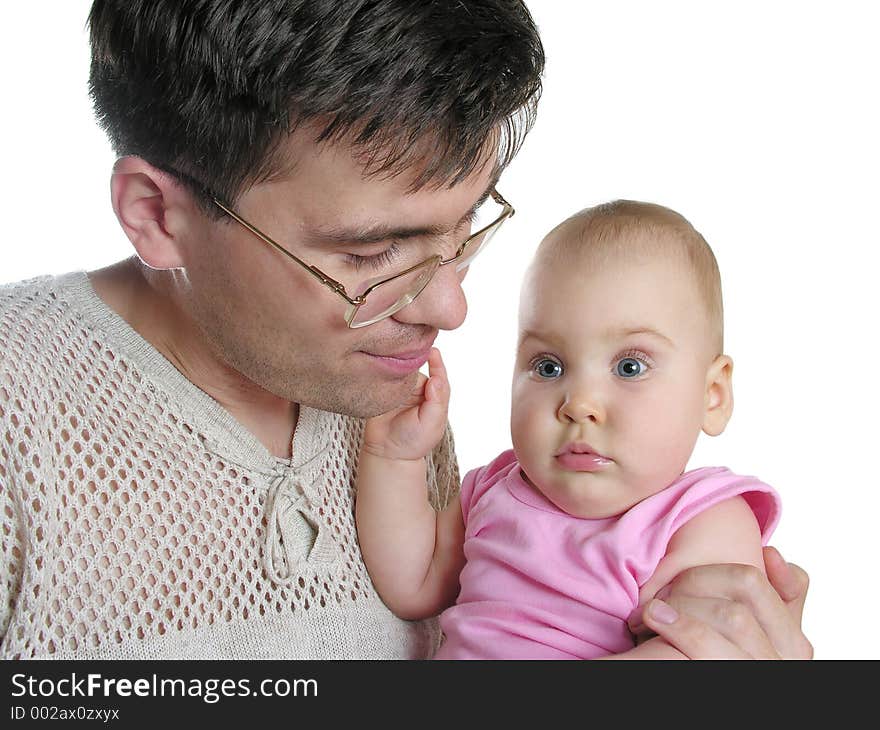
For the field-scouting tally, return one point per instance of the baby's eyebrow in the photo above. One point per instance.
(630, 331)
(611, 334)
(533, 335)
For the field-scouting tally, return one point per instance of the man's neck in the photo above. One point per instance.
(158, 320)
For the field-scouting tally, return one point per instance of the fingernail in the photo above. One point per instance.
(634, 620)
(663, 612)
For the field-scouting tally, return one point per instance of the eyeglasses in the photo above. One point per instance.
(383, 296)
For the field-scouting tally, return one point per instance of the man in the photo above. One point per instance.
(304, 185)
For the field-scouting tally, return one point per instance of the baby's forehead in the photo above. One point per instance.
(631, 263)
(633, 245)
(592, 244)
(610, 297)
(588, 243)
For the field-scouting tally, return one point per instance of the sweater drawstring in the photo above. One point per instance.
(292, 534)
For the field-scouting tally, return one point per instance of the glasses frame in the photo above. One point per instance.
(355, 303)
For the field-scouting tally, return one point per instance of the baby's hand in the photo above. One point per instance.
(412, 430)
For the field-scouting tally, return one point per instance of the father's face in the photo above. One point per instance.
(273, 322)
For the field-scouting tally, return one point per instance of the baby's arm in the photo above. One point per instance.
(413, 554)
(725, 533)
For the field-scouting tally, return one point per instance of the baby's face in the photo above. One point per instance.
(609, 386)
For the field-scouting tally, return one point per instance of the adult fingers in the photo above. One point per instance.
(706, 626)
(691, 636)
(791, 582)
(749, 587)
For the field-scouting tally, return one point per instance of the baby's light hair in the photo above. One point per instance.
(629, 228)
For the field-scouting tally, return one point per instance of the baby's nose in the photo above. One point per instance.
(581, 407)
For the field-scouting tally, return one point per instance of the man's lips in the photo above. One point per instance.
(401, 362)
(416, 354)
(580, 456)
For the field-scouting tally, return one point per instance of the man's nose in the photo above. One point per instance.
(442, 304)
(581, 405)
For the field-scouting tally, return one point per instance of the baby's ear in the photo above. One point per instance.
(719, 395)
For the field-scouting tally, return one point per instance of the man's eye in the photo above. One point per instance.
(547, 368)
(630, 367)
(376, 261)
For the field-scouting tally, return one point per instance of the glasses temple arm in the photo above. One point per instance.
(313, 270)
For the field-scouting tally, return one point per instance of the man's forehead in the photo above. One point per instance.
(325, 187)
(374, 229)
(303, 151)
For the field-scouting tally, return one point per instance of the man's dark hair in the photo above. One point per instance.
(210, 88)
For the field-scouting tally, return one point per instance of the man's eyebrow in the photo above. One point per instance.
(378, 232)
(375, 233)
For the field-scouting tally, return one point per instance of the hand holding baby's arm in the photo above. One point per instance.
(726, 533)
(413, 554)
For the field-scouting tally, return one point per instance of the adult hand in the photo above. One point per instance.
(732, 611)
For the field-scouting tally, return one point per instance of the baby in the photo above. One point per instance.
(550, 547)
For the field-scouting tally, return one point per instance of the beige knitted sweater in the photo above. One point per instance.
(138, 519)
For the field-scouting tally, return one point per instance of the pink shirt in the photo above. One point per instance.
(541, 584)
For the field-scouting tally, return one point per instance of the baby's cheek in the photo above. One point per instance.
(522, 424)
(528, 431)
(525, 407)
(664, 435)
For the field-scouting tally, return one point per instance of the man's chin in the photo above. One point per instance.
(384, 397)
(367, 400)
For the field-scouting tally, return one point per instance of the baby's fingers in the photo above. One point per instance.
(435, 363)
(436, 403)
(418, 393)
(437, 388)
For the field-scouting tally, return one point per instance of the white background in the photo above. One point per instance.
(757, 121)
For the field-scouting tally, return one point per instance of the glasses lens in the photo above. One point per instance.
(477, 244)
(392, 295)
(489, 217)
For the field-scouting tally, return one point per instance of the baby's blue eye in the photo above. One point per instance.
(629, 367)
(546, 368)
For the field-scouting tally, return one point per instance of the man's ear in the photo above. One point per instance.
(719, 395)
(142, 196)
